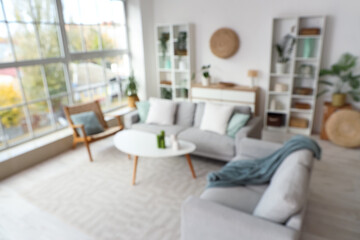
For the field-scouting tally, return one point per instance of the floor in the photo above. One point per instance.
(67, 197)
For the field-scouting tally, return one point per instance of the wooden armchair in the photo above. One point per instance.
(95, 107)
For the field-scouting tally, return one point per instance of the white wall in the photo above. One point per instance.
(251, 19)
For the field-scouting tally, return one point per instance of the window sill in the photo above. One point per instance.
(52, 137)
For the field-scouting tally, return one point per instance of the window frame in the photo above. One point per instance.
(65, 58)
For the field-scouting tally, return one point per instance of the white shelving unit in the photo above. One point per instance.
(174, 68)
(293, 77)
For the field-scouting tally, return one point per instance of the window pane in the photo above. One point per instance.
(49, 40)
(32, 82)
(91, 37)
(82, 97)
(58, 109)
(1, 13)
(108, 36)
(100, 94)
(113, 93)
(118, 67)
(73, 33)
(79, 75)
(55, 78)
(5, 46)
(120, 37)
(10, 91)
(96, 72)
(71, 11)
(45, 10)
(14, 125)
(24, 39)
(40, 117)
(18, 10)
(88, 11)
(111, 11)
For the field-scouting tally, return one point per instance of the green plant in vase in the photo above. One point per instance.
(164, 38)
(346, 83)
(284, 50)
(206, 78)
(131, 91)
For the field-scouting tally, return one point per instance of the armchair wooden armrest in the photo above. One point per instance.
(118, 118)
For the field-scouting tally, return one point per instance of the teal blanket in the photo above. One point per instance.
(260, 171)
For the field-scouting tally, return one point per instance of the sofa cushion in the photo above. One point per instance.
(209, 142)
(154, 128)
(239, 198)
(216, 117)
(237, 121)
(162, 111)
(199, 112)
(287, 191)
(143, 110)
(185, 114)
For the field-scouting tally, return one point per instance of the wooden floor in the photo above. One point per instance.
(333, 211)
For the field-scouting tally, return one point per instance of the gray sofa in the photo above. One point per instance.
(208, 144)
(230, 213)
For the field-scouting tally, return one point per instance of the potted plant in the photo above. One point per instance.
(206, 78)
(346, 82)
(131, 92)
(284, 50)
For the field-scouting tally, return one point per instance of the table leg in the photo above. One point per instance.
(190, 165)
(135, 166)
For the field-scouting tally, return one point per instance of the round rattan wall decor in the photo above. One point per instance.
(343, 128)
(224, 43)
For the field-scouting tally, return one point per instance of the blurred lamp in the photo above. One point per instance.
(252, 74)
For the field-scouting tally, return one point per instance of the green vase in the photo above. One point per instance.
(308, 47)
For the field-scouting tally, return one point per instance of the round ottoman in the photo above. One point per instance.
(343, 128)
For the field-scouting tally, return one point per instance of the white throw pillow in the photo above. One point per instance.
(216, 117)
(288, 188)
(161, 111)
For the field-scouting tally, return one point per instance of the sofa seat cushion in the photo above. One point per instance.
(209, 142)
(154, 128)
(238, 198)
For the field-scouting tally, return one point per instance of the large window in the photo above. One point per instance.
(54, 53)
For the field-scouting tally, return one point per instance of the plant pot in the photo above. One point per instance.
(338, 99)
(132, 100)
(205, 81)
(280, 68)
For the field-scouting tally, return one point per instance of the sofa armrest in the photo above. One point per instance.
(254, 148)
(252, 129)
(202, 219)
(131, 118)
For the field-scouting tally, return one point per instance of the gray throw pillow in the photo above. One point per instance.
(91, 123)
(185, 114)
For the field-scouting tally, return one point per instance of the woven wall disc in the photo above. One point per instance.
(224, 43)
(343, 128)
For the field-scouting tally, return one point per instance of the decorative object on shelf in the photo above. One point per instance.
(300, 105)
(310, 31)
(161, 140)
(131, 92)
(166, 93)
(299, 122)
(180, 44)
(227, 84)
(281, 87)
(343, 71)
(328, 110)
(308, 48)
(224, 43)
(284, 50)
(275, 120)
(174, 142)
(252, 74)
(343, 128)
(206, 78)
(303, 91)
(165, 82)
(164, 38)
(182, 63)
(306, 71)
(273, 104)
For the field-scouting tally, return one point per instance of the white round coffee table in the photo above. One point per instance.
(144, 144)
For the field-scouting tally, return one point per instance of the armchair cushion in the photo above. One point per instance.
(89, 120)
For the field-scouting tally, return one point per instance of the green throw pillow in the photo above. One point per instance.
(90, 121)
(143, 109)
(237, 121)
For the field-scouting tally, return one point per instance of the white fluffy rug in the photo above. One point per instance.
(98, 199)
